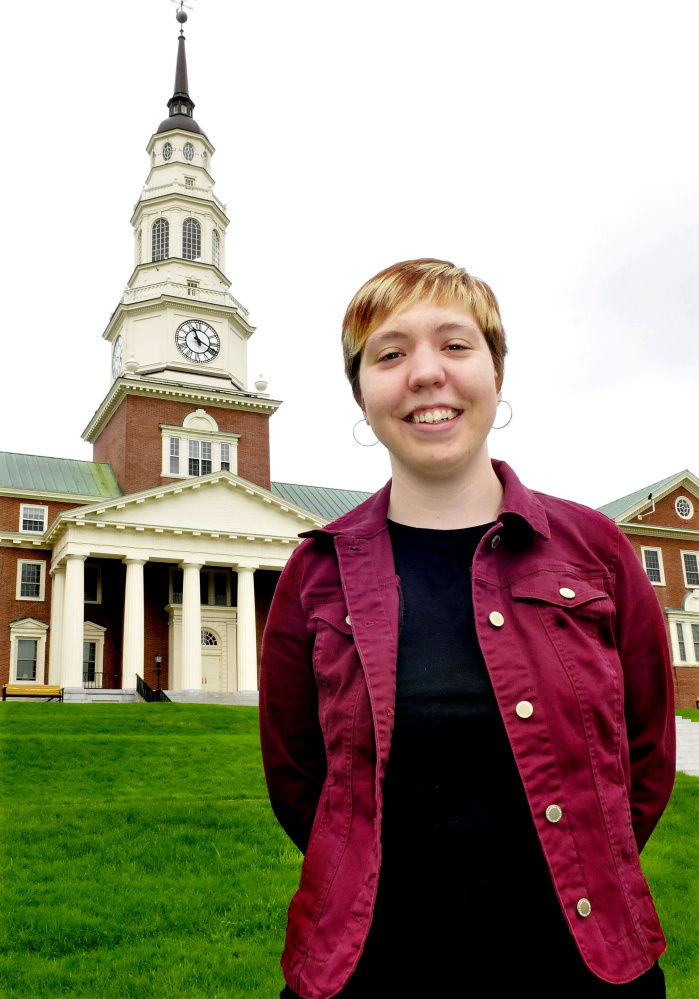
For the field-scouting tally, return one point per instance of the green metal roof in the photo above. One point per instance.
(326, 503)
(624, 503)
(34, 472)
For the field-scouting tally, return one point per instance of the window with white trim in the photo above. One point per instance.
(215, 248)
(690, 567)
(189, 182)
(680, 642)
(684, 507)
(93, 584)
(31, 580)
(174, 456)
(199, 457)
(208, 637)
(27, 650)
(191, 239)
(33, 519)
(176, 586)
(695, 640)
(192, 287)
(160, 239)
(225, 457)
(653, 564)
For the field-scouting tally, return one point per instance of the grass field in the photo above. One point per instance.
(141, 858)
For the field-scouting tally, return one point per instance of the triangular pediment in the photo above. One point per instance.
(660, 509)
(220, 502)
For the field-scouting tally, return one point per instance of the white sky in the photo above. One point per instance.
(550, 148)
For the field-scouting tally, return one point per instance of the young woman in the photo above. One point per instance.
(465, 700)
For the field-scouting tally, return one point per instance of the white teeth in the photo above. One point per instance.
(434, 416)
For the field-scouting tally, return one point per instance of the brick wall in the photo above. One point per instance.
(686, 686)
(132, 441)
(666, 516)
(10, 509)
(11, 608)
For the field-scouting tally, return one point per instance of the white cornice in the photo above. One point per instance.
(77, 499)
(124, 386)
(13, 539)
(186, 196)
(157, 265)
(655, 530)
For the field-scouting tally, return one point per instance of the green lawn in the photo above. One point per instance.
(141, 858)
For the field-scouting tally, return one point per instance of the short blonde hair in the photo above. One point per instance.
(400, 286)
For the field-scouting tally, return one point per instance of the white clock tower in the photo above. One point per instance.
(177, 319)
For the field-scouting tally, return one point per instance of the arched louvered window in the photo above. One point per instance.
(161, 239)
(191, 239)
(215, 245)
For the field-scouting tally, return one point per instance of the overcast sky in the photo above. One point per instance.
(550, 148)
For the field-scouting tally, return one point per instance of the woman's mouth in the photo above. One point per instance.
(439, 414)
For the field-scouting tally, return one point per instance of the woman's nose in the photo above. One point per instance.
(426, 368)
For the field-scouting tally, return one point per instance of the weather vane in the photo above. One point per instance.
(181, 13)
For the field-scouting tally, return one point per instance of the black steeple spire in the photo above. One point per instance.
(180, 104)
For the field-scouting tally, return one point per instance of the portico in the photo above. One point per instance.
(218, 531)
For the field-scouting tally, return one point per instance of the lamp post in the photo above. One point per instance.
(158, 666)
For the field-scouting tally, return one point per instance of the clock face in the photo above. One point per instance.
(117, 354)
(197, 341)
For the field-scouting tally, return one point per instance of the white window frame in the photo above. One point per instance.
(686, 620)
(689, 586)
(184, 435)
(33, 506)
(659, 553)
(33, 630)
(691, 507)
(212, 572)
(98, 568)
(42, 579)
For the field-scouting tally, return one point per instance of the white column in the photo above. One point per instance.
(58, 575)
(246, 629)
(134, 624)
(72, 631)
(191, 627)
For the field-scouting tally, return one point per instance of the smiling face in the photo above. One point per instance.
(428, 390)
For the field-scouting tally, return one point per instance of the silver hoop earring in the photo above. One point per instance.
(354, 434)
(503, 425)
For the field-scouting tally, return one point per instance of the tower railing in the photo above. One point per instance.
(181, 290)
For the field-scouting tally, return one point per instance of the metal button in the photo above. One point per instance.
(495, 541)
(348, 620)
(525, 709)
(496, 619)
(566, 592)
(584, 908)
(554, 813)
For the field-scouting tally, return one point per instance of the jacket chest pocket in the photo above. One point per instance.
(576, 613)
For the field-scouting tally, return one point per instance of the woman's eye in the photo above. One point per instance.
(457, 346)
(390, 356)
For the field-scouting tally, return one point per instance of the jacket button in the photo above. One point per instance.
(566, 592)
(524, 709)
(496, 619)
(495, 541)
(348, 620)
(584, 908)
(554, 813)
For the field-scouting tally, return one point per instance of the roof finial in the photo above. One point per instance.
(181, 14)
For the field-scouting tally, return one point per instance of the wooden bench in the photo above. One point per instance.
(31, 690)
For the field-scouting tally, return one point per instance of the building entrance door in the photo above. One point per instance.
(211, 661)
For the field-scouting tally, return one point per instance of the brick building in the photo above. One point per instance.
(662, 523)
(169, 542)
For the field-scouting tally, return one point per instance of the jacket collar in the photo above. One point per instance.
(367, 519)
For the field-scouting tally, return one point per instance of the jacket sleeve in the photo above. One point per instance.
(293, 750)
(648, 692)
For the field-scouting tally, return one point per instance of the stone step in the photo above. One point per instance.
(249, 697)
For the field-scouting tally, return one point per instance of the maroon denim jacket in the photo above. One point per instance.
(577, 633)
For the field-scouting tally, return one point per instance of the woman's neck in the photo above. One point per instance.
(471, 498)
